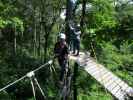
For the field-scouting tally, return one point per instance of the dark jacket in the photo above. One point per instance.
(61, 52)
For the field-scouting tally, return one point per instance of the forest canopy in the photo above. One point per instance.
(29, 30)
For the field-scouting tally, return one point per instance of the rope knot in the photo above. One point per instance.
(30, 74)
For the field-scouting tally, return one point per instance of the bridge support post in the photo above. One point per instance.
(75, 92)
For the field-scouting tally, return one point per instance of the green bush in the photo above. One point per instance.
(113, 57)
(118, 60)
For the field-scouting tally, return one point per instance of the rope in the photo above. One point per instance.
(120, 87)
(13, 83)
(98, 65)
(33, 79)
(23, 77)
(93, 50)
(33, 88)
(42, 66)
(40, 88)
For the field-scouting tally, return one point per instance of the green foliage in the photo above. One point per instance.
(93, 97)
(4, 96)
(8, 17)
(108, 28)
(119, 60)
(16, 22)
(12, 23)
(115, 58)
(89, 89)
(2, 23)
(103, 14)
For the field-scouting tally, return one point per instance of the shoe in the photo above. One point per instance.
(76, 55)
(73, 52)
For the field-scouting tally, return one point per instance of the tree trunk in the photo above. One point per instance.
(35, 32)
(83, 16)
(46, 45)
(15, 40)
(68, 18)
(39, 40)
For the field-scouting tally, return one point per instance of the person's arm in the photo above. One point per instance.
(71, 27)
(78, 33)
(56, 50)
(66, 52)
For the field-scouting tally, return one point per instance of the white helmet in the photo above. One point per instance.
(78, 25)
(62, 36)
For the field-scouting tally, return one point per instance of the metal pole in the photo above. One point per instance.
(75, 93)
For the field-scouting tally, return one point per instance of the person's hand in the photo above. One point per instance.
(66, 56)
(56, 55)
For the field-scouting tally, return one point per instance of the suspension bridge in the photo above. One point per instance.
(106, 78)
(113, 84)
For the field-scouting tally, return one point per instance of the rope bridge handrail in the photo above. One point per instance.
(27, 75)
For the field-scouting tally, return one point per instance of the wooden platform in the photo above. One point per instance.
(111, 82)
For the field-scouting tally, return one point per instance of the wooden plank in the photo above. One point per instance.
(106, 78)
